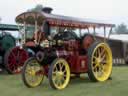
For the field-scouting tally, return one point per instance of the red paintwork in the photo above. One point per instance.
(77, 62)
(30, 44)
(16, 59)
(71, 52)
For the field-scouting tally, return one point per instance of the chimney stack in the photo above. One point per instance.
(47, 10)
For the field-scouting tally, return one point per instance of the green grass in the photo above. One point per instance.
(12, 85)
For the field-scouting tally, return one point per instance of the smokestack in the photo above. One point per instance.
(47, 10)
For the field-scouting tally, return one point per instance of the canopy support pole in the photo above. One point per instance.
(104, 33)
(88, 30)
(36, 29)
(80, 33)
(110, 32)
(23, 34)
(94, 32)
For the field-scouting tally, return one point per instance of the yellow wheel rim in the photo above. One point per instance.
(102, 62)
(61, 74)
(34, 73)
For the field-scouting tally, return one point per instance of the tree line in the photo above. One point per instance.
(121, 29)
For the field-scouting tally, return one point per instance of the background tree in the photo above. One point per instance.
(37, 8)
(121, 29)
(0, 19)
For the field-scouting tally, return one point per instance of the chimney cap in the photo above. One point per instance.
(47, 10)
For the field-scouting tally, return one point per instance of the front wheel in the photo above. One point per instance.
(59, 74)
(32, 73)
(99, 62)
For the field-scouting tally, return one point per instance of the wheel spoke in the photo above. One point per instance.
(94, 67)
(13, 54)
(103, 57)
(104, 62)
(60, 83)
(63, 78)
(96, 73)
(99, 52)
(95, 57)
(64, 71)
(62, 67)
(102, 52)
(55, 69)
(65, 75)
(102, 72)
(57, 82)
(99, 72)
(96, 53)
(18, 54)
(59, 66)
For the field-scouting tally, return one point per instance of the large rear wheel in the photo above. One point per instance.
(32, 73)
(14, 59)
(59, 74)
(99, 62)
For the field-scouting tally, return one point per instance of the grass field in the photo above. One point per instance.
(11, 85)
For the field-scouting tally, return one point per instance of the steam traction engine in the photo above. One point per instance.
(63, 48)
(8, 51)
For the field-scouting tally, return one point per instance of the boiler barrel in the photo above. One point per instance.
(6, 42)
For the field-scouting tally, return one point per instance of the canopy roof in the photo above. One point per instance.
(9, 27)
(58, 20)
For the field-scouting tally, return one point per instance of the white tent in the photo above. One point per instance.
(123, 37)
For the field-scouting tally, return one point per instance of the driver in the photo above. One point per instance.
(39, 36)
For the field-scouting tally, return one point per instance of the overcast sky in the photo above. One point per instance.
(115, 11)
